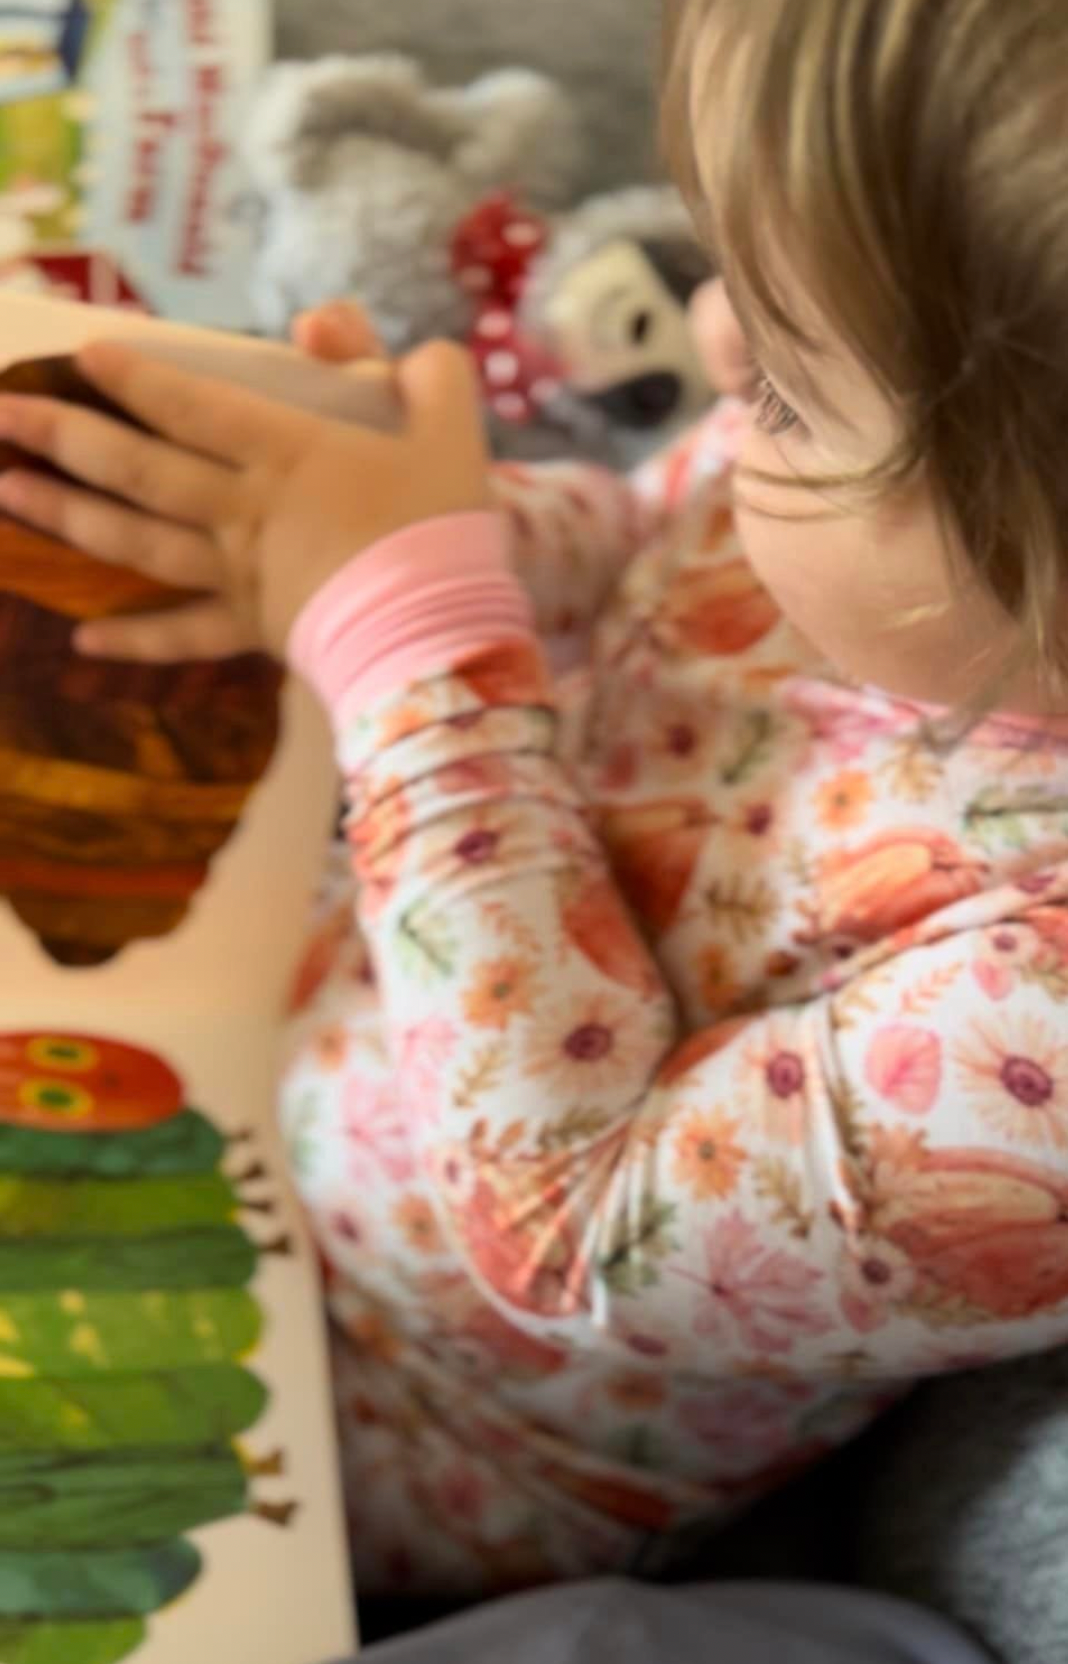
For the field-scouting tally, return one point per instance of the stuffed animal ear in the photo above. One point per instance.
(303, 110)
(522, 135)
(680, 262)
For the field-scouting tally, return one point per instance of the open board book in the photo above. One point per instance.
(168, 1477)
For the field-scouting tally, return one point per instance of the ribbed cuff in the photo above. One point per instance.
(413, 606)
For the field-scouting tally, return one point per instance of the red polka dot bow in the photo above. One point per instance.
(493, 254)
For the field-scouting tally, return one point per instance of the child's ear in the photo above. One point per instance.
(721, 341)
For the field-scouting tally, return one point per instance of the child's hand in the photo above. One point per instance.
(337, 333)
(254, 504)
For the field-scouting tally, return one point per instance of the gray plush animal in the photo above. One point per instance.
(441, 210)
(602, 52)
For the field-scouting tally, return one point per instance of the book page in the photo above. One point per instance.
(168, 1476)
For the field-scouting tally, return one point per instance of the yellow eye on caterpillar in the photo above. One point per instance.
(74, 1057)
(58, 1098)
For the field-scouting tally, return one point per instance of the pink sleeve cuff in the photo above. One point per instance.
(414, 606)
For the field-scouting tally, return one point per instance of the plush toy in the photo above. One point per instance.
(446, 211)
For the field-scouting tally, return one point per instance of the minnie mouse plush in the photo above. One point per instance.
(442, 212)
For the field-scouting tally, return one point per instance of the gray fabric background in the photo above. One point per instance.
(601, 49)
(624, 1623)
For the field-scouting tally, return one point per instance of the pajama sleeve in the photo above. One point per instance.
(874, 1182)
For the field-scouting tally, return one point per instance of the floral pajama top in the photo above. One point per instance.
(680, 1067)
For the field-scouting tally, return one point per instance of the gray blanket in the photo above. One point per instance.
(625, 1623)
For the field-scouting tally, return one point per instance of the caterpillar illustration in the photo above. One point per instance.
(126, 1318)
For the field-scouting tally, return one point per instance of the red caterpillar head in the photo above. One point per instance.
(68, 1081)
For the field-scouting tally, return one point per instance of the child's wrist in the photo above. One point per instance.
(414, 605)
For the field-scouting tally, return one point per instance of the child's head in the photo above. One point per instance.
(885, 183)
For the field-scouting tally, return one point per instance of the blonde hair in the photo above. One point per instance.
(907, 162)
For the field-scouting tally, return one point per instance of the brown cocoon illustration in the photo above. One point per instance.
(118, 784)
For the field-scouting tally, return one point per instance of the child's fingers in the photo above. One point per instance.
(227, 423)
(339, 333)
(99, 526)
(115, 458)
(444, 402)
(203, 630)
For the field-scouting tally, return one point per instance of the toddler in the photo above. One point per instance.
(681, 1069)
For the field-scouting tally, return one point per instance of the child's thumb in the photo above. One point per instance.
(441, 392)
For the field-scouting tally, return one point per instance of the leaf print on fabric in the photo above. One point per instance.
(912, 771)
(426, 946)
(1016, 1075)
(754, 748)
(778, 1185)
(904, 1066)
(377, 1121)
(925, 995)
(1000, 820)
(708, 1157)
(576, 1126)
(750, 1292)
(480, 1076)
(741, 907)
(632, 1259)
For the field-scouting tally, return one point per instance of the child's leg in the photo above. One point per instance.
(446, 1495)
(968, 1508)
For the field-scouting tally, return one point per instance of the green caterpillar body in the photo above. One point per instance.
(126, 1312)
(117, 1500)
(186, 1408)
(104, 1584)
(215, 1256)
(31, 1207)
(183, 1147)
(75, 1334)
(71, 1643)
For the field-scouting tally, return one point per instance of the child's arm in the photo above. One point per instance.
(875, 1182)
(572, 532)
